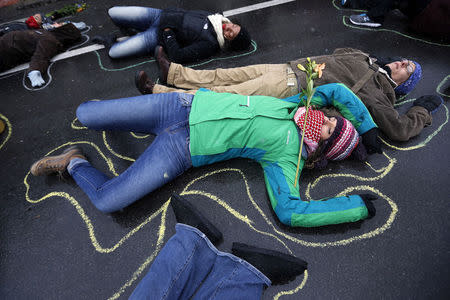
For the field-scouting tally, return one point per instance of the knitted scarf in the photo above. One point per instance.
(313, 127)
(216, 21)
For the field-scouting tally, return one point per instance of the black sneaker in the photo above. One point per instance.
(363, 20)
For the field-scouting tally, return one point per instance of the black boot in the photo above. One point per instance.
(280, 268)
(187, 214)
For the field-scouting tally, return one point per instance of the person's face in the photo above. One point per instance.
(329, 124)
(38, 18)
(401, 70)
(230, 31)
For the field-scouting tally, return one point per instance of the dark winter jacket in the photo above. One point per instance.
(353, 68)
(35, 46)
(192, 36)
(14, 26)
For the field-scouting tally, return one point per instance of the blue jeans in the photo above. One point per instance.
(144, 19)
(164, 115)
(190, 266)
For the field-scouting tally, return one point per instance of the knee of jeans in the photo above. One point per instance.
(83, 113)
(112, 11)
(104, 207)
(115, 53)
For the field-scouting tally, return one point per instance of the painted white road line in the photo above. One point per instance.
(94, 47)
(61, 56)
(253, 7)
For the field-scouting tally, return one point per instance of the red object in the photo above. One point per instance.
(32, 23)
(223, 26)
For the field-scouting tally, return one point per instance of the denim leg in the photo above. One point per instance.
(179, 268)
(232, 278)
(140, 44)
(145, 19)
(137, 17)
(190, 266)
(145, 114)
(165, 159)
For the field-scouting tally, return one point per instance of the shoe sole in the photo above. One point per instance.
(366, 24)
(33, 168)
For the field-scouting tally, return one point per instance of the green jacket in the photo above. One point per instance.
(225, 126)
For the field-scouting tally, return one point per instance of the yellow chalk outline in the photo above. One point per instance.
(105, 141)
(292, 292)
(245, 219)
(236, 214)
(314, 244)
(112, 151)
(232, 211)
(73, 126)
(426, 141)
(384, 171)
(148, 260)
(139, 136)
(440, 85)
(367, 235)
(9, 127)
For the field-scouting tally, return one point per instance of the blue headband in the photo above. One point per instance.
(408, 85)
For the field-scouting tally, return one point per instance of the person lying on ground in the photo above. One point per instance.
(36, 21)
(36, 46)
(378, 83)
(190, 264)
(429, 17)
(186, 35)
(190, 133)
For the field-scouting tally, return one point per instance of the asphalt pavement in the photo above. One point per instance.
(54, 244)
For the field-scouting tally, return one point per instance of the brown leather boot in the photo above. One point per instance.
(143, 83)
(56, 163)
(163, 62)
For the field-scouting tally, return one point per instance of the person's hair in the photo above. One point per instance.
(316, 156)
(241, 41)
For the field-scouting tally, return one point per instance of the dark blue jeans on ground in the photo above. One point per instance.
(190, 267)
(164, 115)
(144, 19)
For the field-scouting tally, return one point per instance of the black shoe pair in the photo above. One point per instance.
(280, 268)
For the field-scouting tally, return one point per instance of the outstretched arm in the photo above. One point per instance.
(45, 50)
(292, 211)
